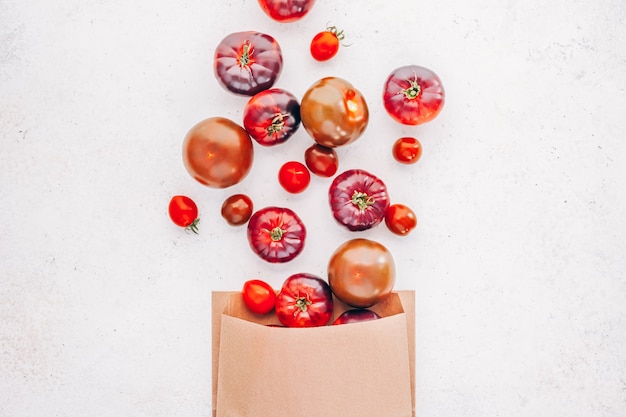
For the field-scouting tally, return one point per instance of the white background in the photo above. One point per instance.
(517, 262)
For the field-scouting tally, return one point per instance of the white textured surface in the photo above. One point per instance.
(518, 261)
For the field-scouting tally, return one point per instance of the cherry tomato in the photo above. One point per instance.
(358, 199)
(246, 63)
(321, 160)
(294, 177)
(217, 152)
(237, 209)
(333, 112)
(356, 315)
(413, 95)
(272, 116)
(361, 272)
(276, 234)
(400, 219)
(407, 150)
(184, 212)
(285, 11)
(258, 296)
(305, 300)
(325, 44)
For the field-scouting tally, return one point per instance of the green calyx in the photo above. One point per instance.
(361, 200)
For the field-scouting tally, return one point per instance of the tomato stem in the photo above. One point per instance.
(361, 200)
(276, 234)
(245, 58)
(303, 303)
(278, 123)
(414, 89)
(193, 226)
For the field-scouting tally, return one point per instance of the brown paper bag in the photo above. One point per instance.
(353, 370)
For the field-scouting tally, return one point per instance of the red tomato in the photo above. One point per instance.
(400, 219)
(285, 11)
(258, 296)
(358, 199)
(237, 209)
(246, 63)
(321, 160)
(184, 212)
(325, 44)
(333, 112)
(276, 234)
(413, 95)
(407, 150)
(305, 300)
(294, 177)
(361, 273)
(217, 152)
(356, 315)
(272, 116)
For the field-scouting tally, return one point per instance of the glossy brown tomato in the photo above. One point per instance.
(217, 152)
(286, 11)
(400, 219)
(276, 234)
(361, 272)
(246, 63)
(305, 300)
(407, 150)
(272, 116)
(356, 315)
(321, 161)
(413, 95)
(237, 209)
(333, 112)
(258, 296)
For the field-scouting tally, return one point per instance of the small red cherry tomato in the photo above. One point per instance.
(305, 300)
(321, 160)
(276, 234)
(271, 116)
(237, 209)
(184, 212)
(258, 296)
(407, 150)
(286, 11)
(325, 44)
(400, 219)
(356, 315)
(294, 177)
(413, 95)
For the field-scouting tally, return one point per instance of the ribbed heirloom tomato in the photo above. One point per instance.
(276, 234)
(305, 300)
(272, 116)
(286, 11)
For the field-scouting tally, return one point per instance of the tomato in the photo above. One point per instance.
(294, 177)
(358, 199)
(413, 95)
(246, 63)
(407, 150)
(321, 160)
(361, 272)
(400, 219)
(237, 209)
(356, 315)
(286, 11)
(305, 300)
(272, 116)
(276, 234)
(333, 112)
(217, 152)
(258, 296)
(325, 44)
(184, 212)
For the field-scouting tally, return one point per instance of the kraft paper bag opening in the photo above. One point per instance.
(351, 370)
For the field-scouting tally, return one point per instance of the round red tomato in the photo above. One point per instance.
(325, 44)
(237, 209)
(276, 234)
(407, 150)
(333, 112)
(413, 95)
(305, 300)
(184, 212)
(217, 152)
(321, 160)
(246, 63)
(294, 177)
(400, 219)
(272, 116)
(258, 296)
(361, 272)
(285, 11)
(356, 315)
(358, 199)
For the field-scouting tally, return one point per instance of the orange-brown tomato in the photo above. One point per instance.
(333, 112)
(217, 152)
(361, 272)
(237, 209)
(321, 161)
